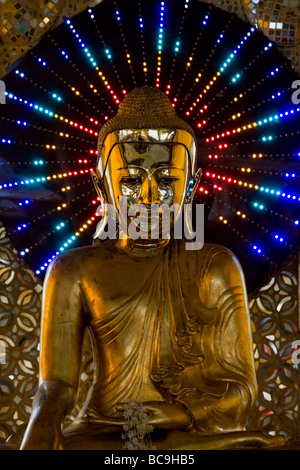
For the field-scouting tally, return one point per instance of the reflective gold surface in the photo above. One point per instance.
(170, 329)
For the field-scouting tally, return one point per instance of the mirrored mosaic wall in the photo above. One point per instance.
(274, 314)
(24, 22)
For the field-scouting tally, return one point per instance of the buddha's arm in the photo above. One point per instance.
(63, 323)
(227, 345)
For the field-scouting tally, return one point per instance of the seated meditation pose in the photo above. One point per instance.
(168, 320)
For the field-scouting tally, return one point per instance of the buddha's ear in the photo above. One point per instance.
(98, 183)
(196, 180)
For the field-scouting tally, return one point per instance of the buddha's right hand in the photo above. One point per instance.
(40, 437)
(53, 400)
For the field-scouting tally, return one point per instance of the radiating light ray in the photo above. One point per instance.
(275, 192)
(93, 62)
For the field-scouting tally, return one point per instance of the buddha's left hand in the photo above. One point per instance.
(165, 415)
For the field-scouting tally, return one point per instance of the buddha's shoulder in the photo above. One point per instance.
(77, 258)
(211, 255)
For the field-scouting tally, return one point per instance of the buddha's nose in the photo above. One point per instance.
(147, 191)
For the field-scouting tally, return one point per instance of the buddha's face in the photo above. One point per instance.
(147, 167)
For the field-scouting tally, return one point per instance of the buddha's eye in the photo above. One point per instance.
(131, 180)
(167, 180)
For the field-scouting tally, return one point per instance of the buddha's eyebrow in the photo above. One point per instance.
(162, 165)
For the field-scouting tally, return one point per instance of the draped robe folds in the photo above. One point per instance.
(187, 350)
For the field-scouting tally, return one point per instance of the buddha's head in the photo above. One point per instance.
(146, 153)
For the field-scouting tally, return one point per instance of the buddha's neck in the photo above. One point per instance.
(141, 247)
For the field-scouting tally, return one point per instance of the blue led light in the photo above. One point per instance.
(257, 249)
(177, 45)
(258, 205)
(42, 61)
(236, 78)
(59, 226)
(56, 97)
(64, 54)
(279, 238)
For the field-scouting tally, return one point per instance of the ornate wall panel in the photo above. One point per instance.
(274, 313)
(20, 296)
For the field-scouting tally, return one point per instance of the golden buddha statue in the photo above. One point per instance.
(169, 322)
